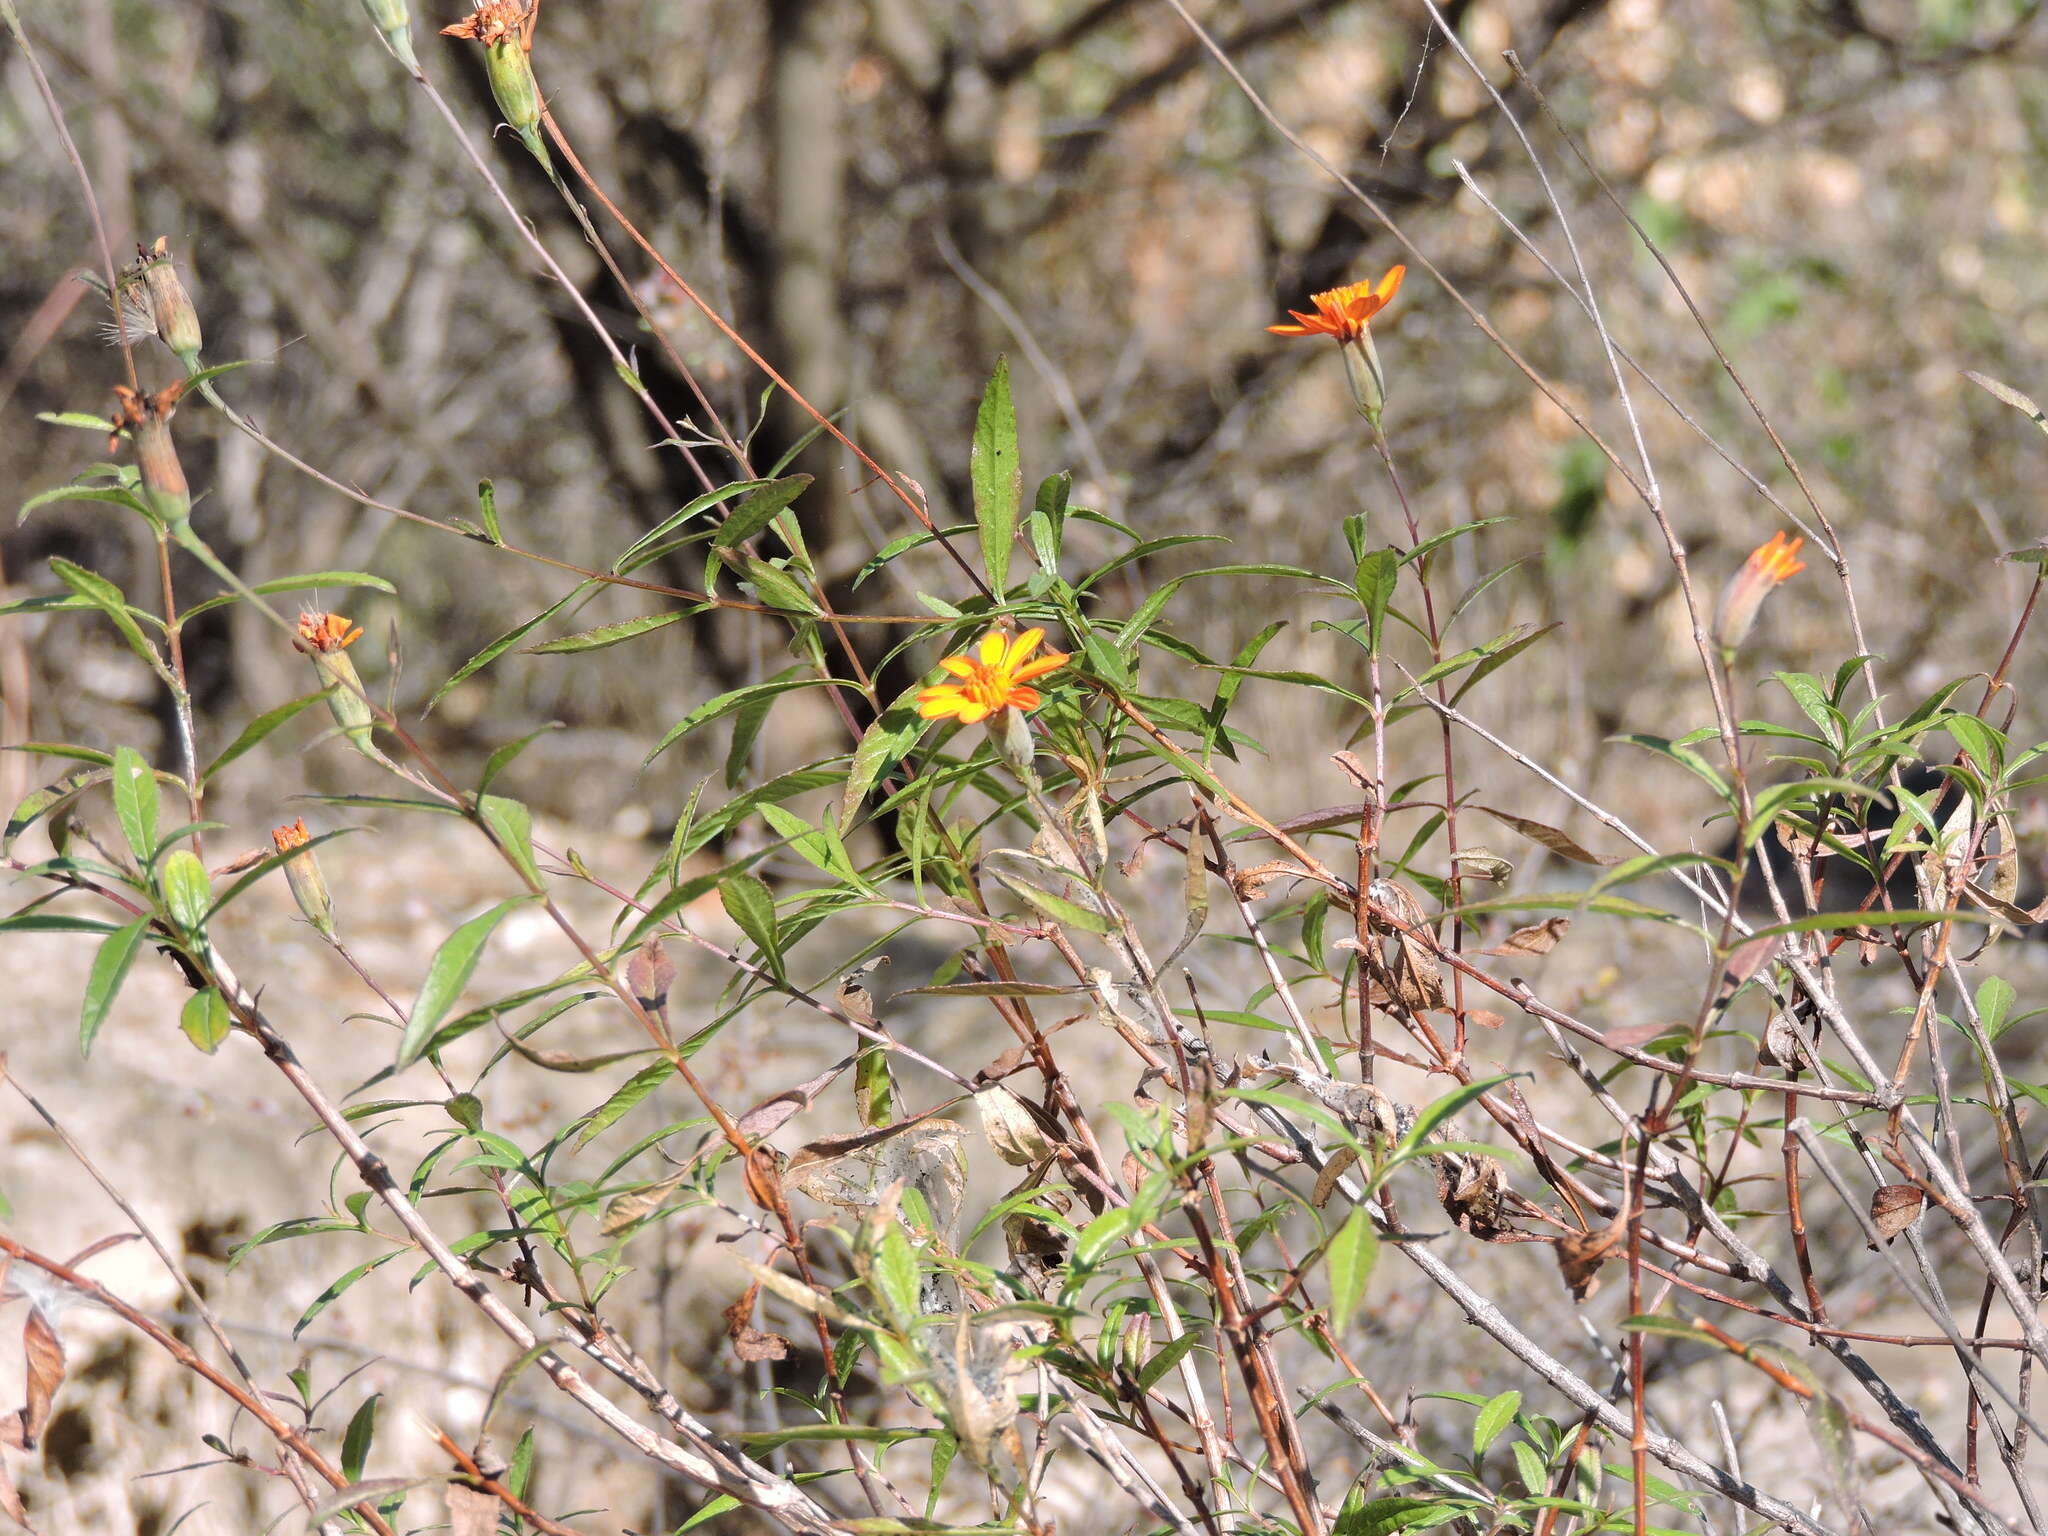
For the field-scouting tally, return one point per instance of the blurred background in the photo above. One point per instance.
(884, 196)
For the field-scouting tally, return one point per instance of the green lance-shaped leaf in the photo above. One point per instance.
(998, 476)
(1348, 1263)
(103, 983)
(453, 964)
(750, 904)
(136, 802)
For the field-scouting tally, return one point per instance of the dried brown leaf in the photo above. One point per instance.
(1745, 960)
(621, 1211)
(1895, 1207)
(774, 1112)
(1485, 1018)
(1537, 939)
(10, 1502)
(1341, 1162)
(650, 975)
(44, 1357)
(1012, 1129)
(748, 1342)
(1580, 1255)
(1557, 842)
(1473, 1191)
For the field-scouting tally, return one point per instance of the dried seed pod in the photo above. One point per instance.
(170, 307)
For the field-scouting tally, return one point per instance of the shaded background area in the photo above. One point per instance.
(884, 196)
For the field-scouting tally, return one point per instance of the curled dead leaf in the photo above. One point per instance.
(1580, 1255)
(1895, 1207)
(1341, 1162)
(749, 1343)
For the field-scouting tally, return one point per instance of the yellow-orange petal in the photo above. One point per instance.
(973, 712)
(959, 666)
(1021, 647)
(1024, 698)
(940, 703)
(1290, 330)
(1051, 661)
(1385, 289)
(992, 648)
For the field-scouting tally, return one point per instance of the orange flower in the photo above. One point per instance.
(322, 634)
(991, 681)
(1344, 312)
(290, 837)
(1769, 566)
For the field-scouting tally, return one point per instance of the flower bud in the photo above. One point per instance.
(302, 874)
(1768, 567)
(1362, 371)
(170, 307)
(391, 18)
(147, 421)
(326, 637)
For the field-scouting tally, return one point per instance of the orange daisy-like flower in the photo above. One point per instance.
(990, 681)
(1344, 312)
(322, 634)
(295, 835)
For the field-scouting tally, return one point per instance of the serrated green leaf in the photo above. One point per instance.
(500, 646)
(751, 905)
(760, 509)
(106, 597)
(609, 634)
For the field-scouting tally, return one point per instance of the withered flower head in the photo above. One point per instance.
(1769, 566)
(991, 681)
(170, 307)
(505, 28)
(326, 638)
(493, 22)
(325, 633)
(302, 874)
(147, 421)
